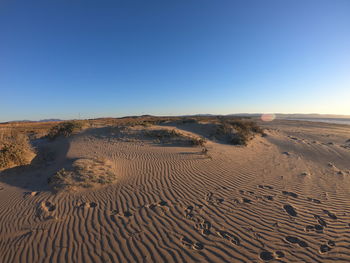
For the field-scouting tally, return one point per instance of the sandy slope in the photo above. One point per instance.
(277, 198)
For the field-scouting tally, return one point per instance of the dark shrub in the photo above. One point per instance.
(64, 129)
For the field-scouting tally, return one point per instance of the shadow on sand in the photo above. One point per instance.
(34, 176)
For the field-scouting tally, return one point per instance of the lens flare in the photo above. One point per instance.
(268, 117)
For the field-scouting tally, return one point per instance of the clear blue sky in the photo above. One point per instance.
(115, 58)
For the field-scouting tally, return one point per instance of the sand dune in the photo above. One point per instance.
(283, 198)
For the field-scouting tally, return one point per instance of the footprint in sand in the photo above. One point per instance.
(87, 205)
(309, 228)
(163, 203)
(48, 206)
(295, 240)
(316, 201)
(233, 239)
(268, 197)
(93, 204)
(320, 220)
(267, 255)
(204, 227)
(127, 214)
(113, 213)
(188, 212)
(268, 187)
(324, 249)
(279, 254)
(319, 228)
(45, 210)
(291, 194)
(330, 214)
(160, 207)
(186, 242)
(331, 243)
(290, 210)
(246, 200)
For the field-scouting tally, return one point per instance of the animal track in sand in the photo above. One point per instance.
(295, 240)
(291, 194)
(225, 235)
(290, 210)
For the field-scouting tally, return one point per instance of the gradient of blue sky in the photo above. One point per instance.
(115, 58)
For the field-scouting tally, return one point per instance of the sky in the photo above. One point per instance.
(87, 58)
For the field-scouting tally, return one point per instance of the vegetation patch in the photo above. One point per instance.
(65, 129)
(238, 132)
(174, 136)
(15, 150)
(84, 173)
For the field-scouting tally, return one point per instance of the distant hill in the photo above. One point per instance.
(28, 121)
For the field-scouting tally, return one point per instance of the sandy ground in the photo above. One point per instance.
(283, 198)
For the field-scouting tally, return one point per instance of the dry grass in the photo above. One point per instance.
(84, 173)
(15, 149)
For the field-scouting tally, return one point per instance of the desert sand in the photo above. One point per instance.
(283, 198)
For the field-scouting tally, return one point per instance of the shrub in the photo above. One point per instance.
(65, 129)
(15, 150)
(238, 132)
(163, 134)
(198, 141)
(84, 173)
(175, 136)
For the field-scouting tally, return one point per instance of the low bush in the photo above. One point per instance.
(15, 150)
(239, 132)
(84, 173)
(65, 129)
(162, 134)
(198, 141)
